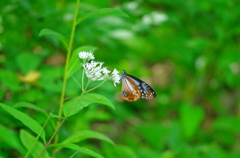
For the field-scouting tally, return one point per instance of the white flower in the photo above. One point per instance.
(105, 71)
(155, 18)
(95, 71)
(86, 56)
(115, 77)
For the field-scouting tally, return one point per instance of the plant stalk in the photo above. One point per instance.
(65, 72)
(35, 141)
(95, 87)
(59, 125)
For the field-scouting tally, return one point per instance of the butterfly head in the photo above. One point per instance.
(124, 74)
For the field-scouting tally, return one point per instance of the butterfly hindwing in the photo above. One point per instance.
(134, 88)
(147, 92)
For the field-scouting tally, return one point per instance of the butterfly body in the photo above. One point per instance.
(133, 88)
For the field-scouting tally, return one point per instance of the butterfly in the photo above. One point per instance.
(133, 88)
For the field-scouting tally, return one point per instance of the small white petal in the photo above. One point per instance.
(115, 77)
(94, 71)
(86, 55)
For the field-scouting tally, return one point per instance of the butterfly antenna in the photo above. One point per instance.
(120, 65)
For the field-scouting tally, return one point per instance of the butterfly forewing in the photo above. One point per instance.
(130, 91)
(134, 88)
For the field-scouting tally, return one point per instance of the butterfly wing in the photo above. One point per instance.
(146, 91)
(134, 88)
(130, 90)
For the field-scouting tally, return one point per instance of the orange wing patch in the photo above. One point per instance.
(130, 90)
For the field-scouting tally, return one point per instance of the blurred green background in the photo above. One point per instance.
(188, 51)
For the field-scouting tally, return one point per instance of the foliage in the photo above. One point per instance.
(186, 50)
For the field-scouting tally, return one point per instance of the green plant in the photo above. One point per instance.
(94, 72)
(186, 50)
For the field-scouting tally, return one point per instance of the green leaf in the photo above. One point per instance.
(102, 12)
(56, 116)
(10, 138)
(30, 106)
(191, 118)
(75, 62)
(97, 98)
(86, 100)
(25, 119)
(125, 151)
(62, 38)
(27, 140)
(77, 148)
(85, 49)
(79, 106)
(82, 135)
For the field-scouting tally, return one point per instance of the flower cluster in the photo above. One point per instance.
(86, 56)
(115, 77)
(95, 70)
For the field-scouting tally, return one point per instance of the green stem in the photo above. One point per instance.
(66, 70)
(95, 87)
(74, 154)
(58, 127)
(83, 89)
(87, 84)
(35, 141)
(63, 120)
